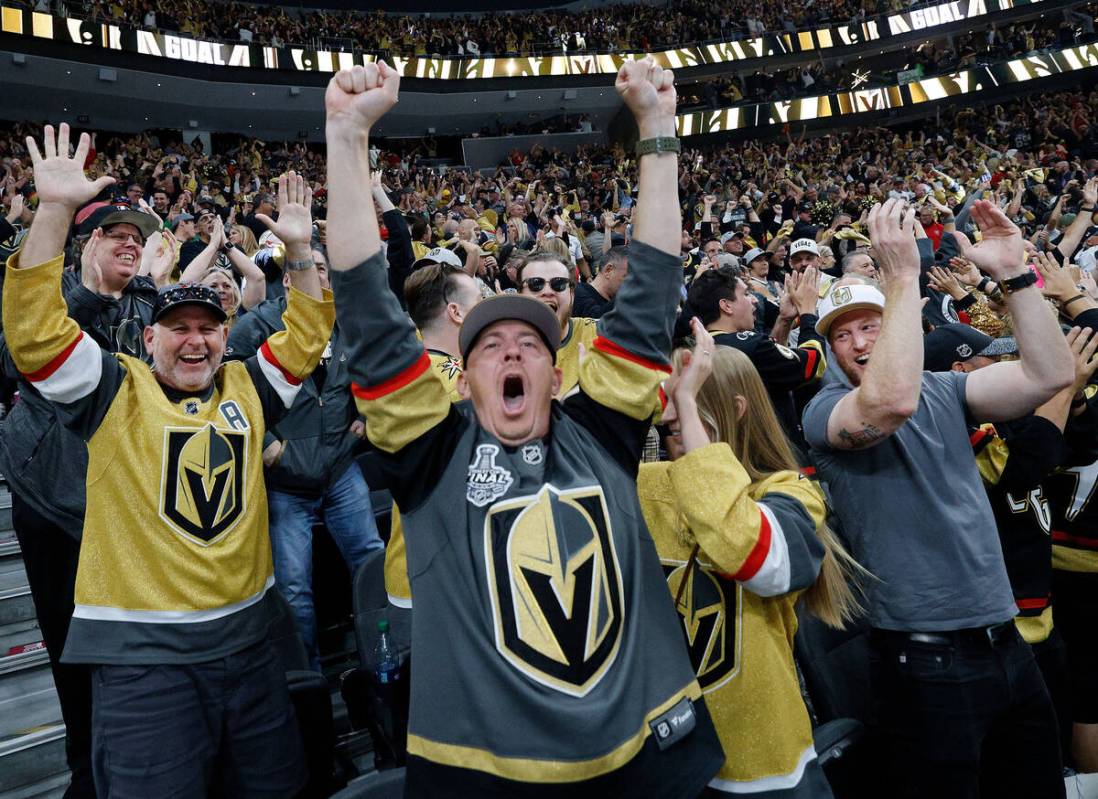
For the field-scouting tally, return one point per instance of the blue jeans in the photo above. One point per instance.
(345, 509)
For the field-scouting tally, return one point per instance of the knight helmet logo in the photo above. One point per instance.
(709, 611)
(556, 586)
(202, 484)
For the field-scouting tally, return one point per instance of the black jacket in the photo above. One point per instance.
(315, 432)
(44, 462)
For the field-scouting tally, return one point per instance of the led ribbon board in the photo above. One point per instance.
(24, 22)
(862, 101)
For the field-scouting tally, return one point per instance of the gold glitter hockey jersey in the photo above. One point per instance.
(175, 562)
(758, 551)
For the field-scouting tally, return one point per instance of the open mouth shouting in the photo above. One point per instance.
(862, 360)
(513, 393)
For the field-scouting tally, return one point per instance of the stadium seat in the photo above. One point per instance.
(383, 713)
(312, 703)
(379, 785)
(835, 666)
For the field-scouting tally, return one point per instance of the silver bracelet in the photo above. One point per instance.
(298, 266)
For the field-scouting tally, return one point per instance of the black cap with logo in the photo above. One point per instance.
(171, 297)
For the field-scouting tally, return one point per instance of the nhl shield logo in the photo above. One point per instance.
(202, 492)
(487, 482)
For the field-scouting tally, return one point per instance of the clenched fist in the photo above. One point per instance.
(358, 97)
(649, 91)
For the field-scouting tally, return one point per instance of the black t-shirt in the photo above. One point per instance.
(589, 303)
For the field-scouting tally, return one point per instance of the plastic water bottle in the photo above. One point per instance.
(386, 659)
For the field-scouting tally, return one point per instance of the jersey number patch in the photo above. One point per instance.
(556, 586)
(202, 481)
(709, 610)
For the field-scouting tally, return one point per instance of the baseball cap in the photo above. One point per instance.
(803, 245)
(118, 212)
(844, 299)
(753, 253)
(947, 344)
(439, 255)
(509, 307)
(732, 234)
(181, 218)
(805, 206)
(171, 297)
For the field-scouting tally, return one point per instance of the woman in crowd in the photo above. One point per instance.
(221, 281)
(242, 237)
(742, 537)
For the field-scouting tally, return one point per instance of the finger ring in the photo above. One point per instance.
(707, 352)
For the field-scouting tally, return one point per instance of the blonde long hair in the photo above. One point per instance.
(760, 444)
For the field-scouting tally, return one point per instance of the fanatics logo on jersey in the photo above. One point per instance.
(555, 585)
(487, 482)
(202, 482)
(709, 610)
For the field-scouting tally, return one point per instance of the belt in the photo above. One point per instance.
(986, 636)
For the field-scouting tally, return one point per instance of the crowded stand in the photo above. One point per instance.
(662, 466)
(935, 57)
(620, 27)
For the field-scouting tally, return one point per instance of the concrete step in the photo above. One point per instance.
(27, 759)
(19, 636)
(52, 787)
(16, 604)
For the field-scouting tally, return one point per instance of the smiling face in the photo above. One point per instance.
(852, 337)
(186, 345)
(225, 288)
(511, 379)
(560, 302)
(119, 254)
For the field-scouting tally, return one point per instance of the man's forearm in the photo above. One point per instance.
(352, 225)
(302, 270)
(1044, 354)
(46, 237)
(657, 218)
(893, 377)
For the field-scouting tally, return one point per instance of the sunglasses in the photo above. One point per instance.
(557, 284)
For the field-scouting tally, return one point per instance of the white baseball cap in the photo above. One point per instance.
(439, 255)
(803, 245)
(753, 253)
(844, 299)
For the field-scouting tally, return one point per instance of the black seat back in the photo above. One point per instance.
(371, 605)
(835, 665)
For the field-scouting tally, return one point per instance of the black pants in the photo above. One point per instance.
(970, 717)
(221, 728)
(1051, 657)
(49, 557)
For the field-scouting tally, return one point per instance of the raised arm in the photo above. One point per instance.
(392, 381)
(630, 354)
(889, 391)
(1045, 366)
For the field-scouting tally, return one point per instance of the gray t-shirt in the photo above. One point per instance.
(915, 513)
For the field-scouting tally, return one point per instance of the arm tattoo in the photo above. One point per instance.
(868, 435)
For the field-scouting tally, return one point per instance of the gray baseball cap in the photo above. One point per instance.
(509, 307)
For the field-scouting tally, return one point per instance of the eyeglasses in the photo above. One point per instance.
(557, 284)
(122, 237)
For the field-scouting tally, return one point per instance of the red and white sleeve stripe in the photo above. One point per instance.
(766, 572)
(285, 384)
(73, 374)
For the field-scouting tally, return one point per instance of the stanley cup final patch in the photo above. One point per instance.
(487, 481)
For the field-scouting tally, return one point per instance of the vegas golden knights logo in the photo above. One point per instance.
(202, 486)
(709, 609)
(556, 586)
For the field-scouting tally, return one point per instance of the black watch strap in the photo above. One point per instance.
(1018, 283)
